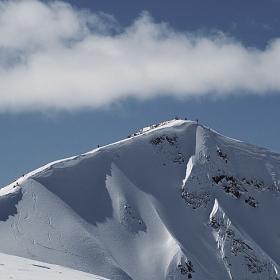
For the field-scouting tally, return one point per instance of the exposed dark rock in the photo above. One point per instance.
(186, 269)
(215, 223)
(172, 140)
(252, 202)
(217, 179)
(160, 139)
(196, 200)
(179, 159)
(222, 155)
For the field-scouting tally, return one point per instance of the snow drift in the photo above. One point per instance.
(176, 200)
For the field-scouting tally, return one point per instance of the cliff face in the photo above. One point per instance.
(174, 201)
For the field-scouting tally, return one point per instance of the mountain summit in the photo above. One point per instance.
(175, 200)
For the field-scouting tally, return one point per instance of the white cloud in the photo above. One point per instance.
(55, 56)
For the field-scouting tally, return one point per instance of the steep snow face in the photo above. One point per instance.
(239, 253)
(174, 201)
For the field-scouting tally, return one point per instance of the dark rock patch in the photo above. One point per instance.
(222, 155)
(160, 139)
(252, 202)
(196, 200)
(186, 269)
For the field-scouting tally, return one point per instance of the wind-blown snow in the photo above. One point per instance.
(173, 201)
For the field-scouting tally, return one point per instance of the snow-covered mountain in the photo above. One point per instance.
(176, 200)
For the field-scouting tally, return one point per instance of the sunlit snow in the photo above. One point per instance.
(12, 267)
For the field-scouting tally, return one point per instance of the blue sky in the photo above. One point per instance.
(77, 74)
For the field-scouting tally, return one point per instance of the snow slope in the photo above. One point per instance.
(16, 268)
(176, 200)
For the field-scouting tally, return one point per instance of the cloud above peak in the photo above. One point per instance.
(53, 56)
